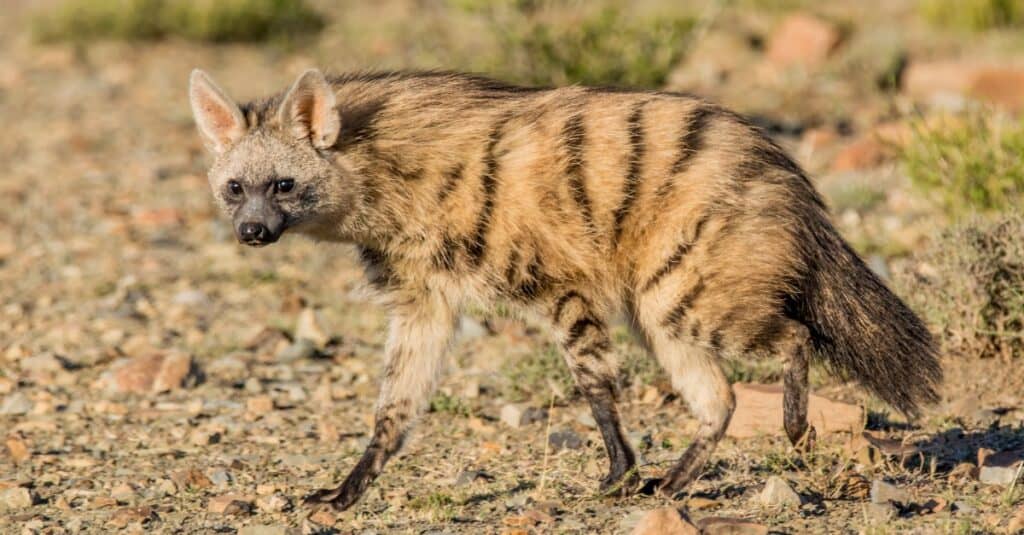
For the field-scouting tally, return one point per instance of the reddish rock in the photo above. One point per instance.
(864, 153)
(1001, 85)
(18, 449)
(158, 217)
(759, 412)
(230, 504)
(802, 39)
(160, 372)
(665, 521)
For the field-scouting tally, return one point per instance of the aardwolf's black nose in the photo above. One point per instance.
(253, 232)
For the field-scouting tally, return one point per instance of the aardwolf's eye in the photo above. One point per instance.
(284, 185)
(234, 188)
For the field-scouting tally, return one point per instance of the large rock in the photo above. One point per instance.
(946, 81)
(664, 521)
(883, 493)
(1000, 468)
(778, 493)
(151, 374)
(802, 39)
(759, 412)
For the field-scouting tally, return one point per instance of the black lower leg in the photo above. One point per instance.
(794, 399)
(622, 475)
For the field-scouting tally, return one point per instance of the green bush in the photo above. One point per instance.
(968, 165)
(200, 20)
(974, 15)
(970, 284)
(601, 46)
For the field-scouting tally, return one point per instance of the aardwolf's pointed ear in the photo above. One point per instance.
(308, 110)
(219, 120)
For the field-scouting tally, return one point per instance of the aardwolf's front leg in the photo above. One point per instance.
(419, 335)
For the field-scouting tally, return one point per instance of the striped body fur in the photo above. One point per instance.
(574, 204)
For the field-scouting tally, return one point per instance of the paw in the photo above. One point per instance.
(621, 485)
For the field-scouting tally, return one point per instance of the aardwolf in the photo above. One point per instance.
(576, 204)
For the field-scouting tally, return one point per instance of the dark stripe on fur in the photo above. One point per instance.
(634, 168)
(678, 312)
(564, 300)
(452, 177)
(692, 141)
(476, 247)
(677, 257)
(574, 137)
(577, 330)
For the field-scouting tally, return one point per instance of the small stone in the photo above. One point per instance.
(166, 487)
(1000, 468)
(698, 503)
(262, 529)
(665, 521)
(274, 503)
(298, 350)
(15, 498)
(191, 478)
(586, 420)
(204, 437)
(512, 415)
(123, 493)
(191, 298)
(155, 373)
(323, 517)
(229, 504)
(802, 39)
(880, 512)
(565, 439)
(716, 525)
(259, 405)
(131, 515)
(307, 327)
(16, 404)
(220, 478)
(229, 368)
(18, 449)
(883, 493)
(778, 493)
(963, 507)
(471, 389)
(467, 477)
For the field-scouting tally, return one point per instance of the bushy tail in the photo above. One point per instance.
(862, 331)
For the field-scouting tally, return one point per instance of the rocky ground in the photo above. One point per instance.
(156, 376)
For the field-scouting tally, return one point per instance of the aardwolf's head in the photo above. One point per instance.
(272, 170)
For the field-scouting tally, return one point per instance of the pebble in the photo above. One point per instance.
(307, 327)
(191, 298)
(15, 498)
(220, 478)
(881, 512)
(123, 493)
(302, 348)
(16, 404)
(961, 506)
(469, 476)
(664, 521)
(274, 503)
(229, 504)
(778, 493)
(884, 493)
(565, 439)
(259, 405)
(263, 529)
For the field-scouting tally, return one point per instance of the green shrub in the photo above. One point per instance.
(598, 47)
(975, 15)
(970, 283)
(969, 165)
(200, 20)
